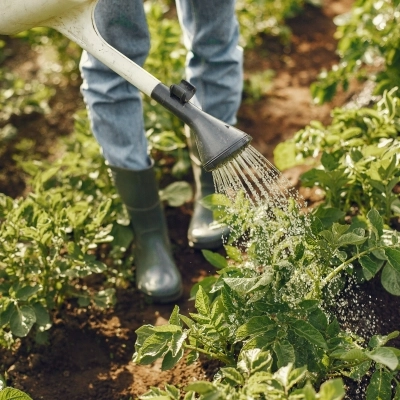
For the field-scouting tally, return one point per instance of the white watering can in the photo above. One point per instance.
(217, 142)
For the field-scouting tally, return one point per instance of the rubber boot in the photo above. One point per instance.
(203, 233)
(156, 273)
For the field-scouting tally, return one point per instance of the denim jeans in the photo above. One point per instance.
(214, 66)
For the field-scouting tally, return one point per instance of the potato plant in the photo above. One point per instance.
(356, 156)
(269, 297)
(368, 48)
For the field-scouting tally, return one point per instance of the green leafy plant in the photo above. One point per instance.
(252, 378)
(265, 17)
(268, 297)
(368, 48)
(358, 155)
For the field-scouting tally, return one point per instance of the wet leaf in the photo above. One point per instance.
(385, 356)
(379, 387)
(307, 331)
(215, 259)
(22, 320)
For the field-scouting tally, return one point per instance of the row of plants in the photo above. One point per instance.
(368, 49)
(266, 315)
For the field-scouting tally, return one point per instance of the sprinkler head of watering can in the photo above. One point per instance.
(217, 142)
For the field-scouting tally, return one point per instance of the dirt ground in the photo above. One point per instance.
(90, 351)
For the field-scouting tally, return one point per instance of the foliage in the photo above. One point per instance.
(18, 97)
(368, 47)
(67, 52)
(253, 379)
(9, 393)
(265, 17)
(359, 163)
(268, 297)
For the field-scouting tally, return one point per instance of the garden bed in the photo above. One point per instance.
(89, 352)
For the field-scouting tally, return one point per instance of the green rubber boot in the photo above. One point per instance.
(156, 273)
(203, 233)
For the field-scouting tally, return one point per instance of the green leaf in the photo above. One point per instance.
(284, 352)
(172, 391)
(254, 360)
(390, 280)
(254, 326)
(105, 298)
(171, 360)
(379, 387)
(332, 390)
(155, 346)
(370, 267)
(215, 201)
(22, 320)
(202, 302)
(385, 356)
(354, 354)
(393, 257)
(241, 285)
(307, 331)
(376, 221)
(379, 341)
(200, 387)
(232, 375)
(350, 238)
(177, 193)
(359, 371)
(13, 394)
(174, 318)
(234, 253)
(27, 291)
(215, 259)
(42, 316)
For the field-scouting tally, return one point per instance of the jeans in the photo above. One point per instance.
(214, 66)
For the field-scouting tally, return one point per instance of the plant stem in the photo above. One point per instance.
(218, 356)
(345, 264)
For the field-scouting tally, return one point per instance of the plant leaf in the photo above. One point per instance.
(215, 259)
(385, 356)
(307, 331)
(22, 320)
(379, 387)
(393, 257)
(13, 394)
(376, 221)
(390, 280)
(202, 303)
(284, 352)
(332, 390)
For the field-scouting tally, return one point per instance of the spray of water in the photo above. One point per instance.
(278, 223)
(250, 172)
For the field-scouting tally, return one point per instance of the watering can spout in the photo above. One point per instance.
(217, 142)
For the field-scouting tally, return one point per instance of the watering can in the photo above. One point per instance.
(217, 142)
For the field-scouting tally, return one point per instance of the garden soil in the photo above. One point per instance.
(89, 352)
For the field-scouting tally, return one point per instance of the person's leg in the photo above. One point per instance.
(214, 66)
(115, 106)
(215, 60)
(116, 114)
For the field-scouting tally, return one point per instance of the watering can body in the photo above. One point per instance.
(20, 15)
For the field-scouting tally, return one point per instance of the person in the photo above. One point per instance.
(214, 66)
